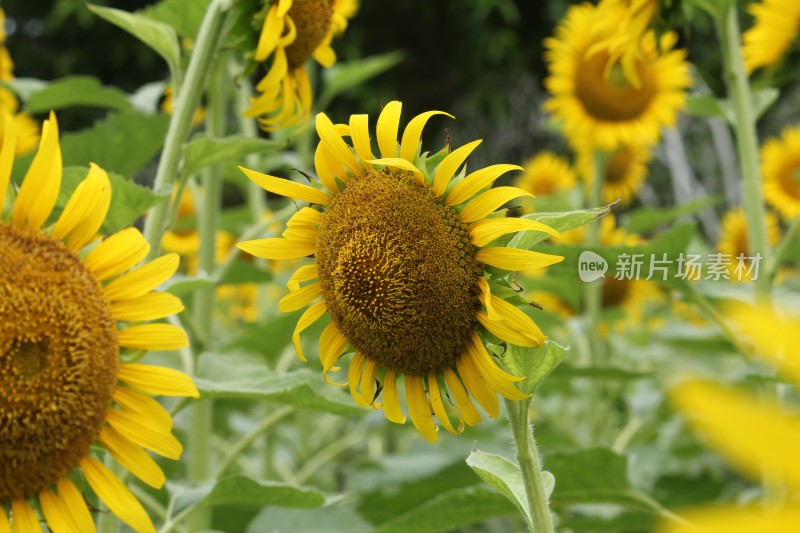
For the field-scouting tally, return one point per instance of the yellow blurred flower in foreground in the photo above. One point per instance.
(733, 242)
(777, 22)
(26, 127)
(780, 166)
(626, 170)
(546, 173)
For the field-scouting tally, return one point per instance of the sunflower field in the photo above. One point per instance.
(354, 266)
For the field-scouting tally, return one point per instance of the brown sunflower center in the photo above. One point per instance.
(398, 273)
(58, 361)
(312, 19)
(619, 164)
(615, 292)
(612, 98)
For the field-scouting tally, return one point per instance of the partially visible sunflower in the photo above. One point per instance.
(630, 21)
(66, 312)
(400, 248)
(610, 234)
(626, 170)
(780, 167)
(733, 241)
(758, 436)
(777, 22)
(546, 173)
(293, 32)
(603, 108)
(168, 106)
(26, 127)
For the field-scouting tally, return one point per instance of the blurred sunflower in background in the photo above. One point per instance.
(759, 436)
(66, 313)
(546, 173)
(733, 241)
(626, 170)
(630, 21)
(602, 106)
(780, 168)
(776, 25)
(293, 32)
(26, 127)
(400, 246)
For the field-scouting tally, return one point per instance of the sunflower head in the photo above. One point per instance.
(546, 173)
(401, 242)
(734, 241)
(776, 25)
(602, 101)
(626, 170)
(65, 315)
(780, 167)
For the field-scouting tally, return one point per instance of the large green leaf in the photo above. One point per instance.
(648, 218)
(183, 15)
(122, 143)
(451, 511)
(237, 376)
(203, 151)
(505, 476)
(76, 91)
(344, 76)
(705, 105)
(534, 364)
(337, 519)
(558, 221)
(161, 37)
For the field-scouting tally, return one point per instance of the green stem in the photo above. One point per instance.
(530, 466)
(187, 97)
(783, 248)
(746, 143)
(248, 439)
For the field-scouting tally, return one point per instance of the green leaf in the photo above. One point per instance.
(235, 376)
(344, 76)
(122, 143)
(24, 87)
(75, 91)
(534, 364)
(161, 37)
(648, 218)
(450, 511)
(183, 15)
(128, 200)
(707, 106)
(558, 221)
(505, 476)
(338, 519)
(243, 491)
(181, 285)
(203, 151)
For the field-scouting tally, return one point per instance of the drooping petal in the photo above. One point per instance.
(311, 315)
(25, 520)
(270, 33)
(477, 387)
(158, 380)
(485, 231)
(517, 320)
(275, 75)
(413, 133)
(56, 513)
(5, 525)
(354, 377)
(331, 347)
(490, 372)
(142, 280)
(514, 259)
(133, 458)
(468, 412)
(489, 201)
(116, 495)
(300, 298)
(391, 399)
(438, 406)
(420, 408)
(402, 164)
(386, 129)
(502, 330)
(278, 248)
(485, 298)
(475, 181)
(368, 384)
(116, 254)
(76, 505)
(287, 188)
(450, 164)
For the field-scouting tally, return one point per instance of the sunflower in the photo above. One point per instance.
(604, 108)
(733, 241)
(293, 32)
(400, 246)
(610, 234)
(26, 127)
(629, 20)
(780, 166)
(757, 436)
(545, 174)
(66, 312)
(777, 22)
(626, 169)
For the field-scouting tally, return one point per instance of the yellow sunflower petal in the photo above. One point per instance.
(325, 56)
(304, 273)
(278, 248)
(133, 458)
(514, 259)
(328, 170)
(142, 280)
(55, 513)
(413, 133)
(42, 182)
(468, 412)
(300, 297)
(775, 336)
(287, 188)
(486, 299)
(335, 145)
(331, 345)
(736, 520)
(158, 380)
(438, 406)
(116, 254)
(354, 378)
(368, 384)
(499, 379)
(391, 399)
(277, 71)
(25, 520)
(76, 505)
(386, 129)
(359, 129)
(489, 201)
(153, 337)
(150, 306)
(450, 165)
(5, 525)
(420, 408)
(478, 388)
(754, 435)
(485, 231)
(502, 330)
(474, 182)
(7, 151)
(116, 496)
(270, 33)
(311, 315)
(517, 320)
(86, 209)
(402, 164)
(135, 401)
(145, 432)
